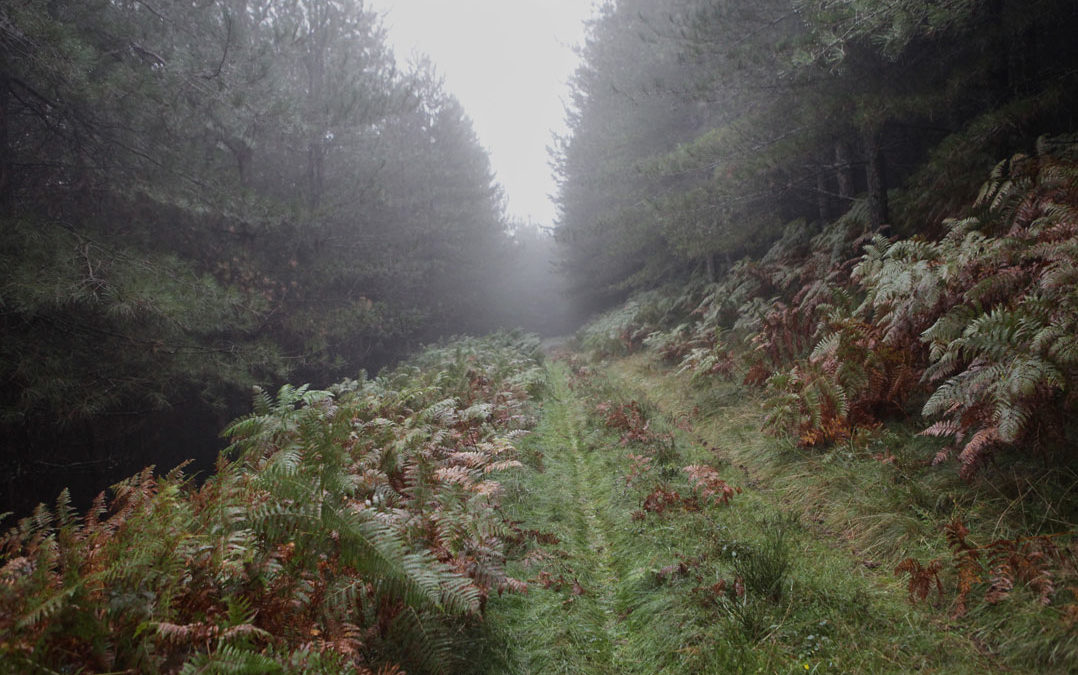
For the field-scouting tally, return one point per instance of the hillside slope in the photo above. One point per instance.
(670, 536)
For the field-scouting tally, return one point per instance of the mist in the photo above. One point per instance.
(512, 336)
(203, 198)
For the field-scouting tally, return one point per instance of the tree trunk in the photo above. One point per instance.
(823, 199)
(5, 149)
(241, 22)
(244, 154)
(1023, 65)
(844, 171)
(876, 177)
(316, 92)
(999, 71)
(316, 158)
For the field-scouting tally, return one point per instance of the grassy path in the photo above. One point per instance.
(570, 625)
(615, 589)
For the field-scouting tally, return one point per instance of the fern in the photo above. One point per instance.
(923, 578)
(302, 553)
(993, 302)
(996, 568)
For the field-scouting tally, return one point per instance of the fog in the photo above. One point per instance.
(509, 64)
(253, 192)
(354, 311)
(197, 199)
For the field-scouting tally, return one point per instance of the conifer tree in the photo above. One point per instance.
(198, 197)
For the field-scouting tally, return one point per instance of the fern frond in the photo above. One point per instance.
(976, 449)
(47, 608)
(234, 660)
(375, 550)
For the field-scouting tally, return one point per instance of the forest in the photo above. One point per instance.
(199, 197)
(789, 386)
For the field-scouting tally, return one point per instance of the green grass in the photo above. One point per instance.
(862, 507)
(815, 557)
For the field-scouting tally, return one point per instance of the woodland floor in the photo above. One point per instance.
(622, 593)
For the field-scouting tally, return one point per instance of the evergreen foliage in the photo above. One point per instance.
(200, 197)
(737, 117)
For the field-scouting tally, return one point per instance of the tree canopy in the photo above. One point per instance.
(698, 128)
(199, 197)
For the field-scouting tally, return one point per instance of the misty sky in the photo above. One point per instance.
(508, 62)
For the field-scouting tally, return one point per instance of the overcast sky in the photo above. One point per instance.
(508, 62)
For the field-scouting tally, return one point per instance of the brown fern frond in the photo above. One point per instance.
(1001, 559)
(502, 466)
(976, 449)
(514, 585)
(956, 533)
(922, 578)
(659, 500)
(455, 475)
(639, 465)
(943, 455)
(245, 630)
(1032, 563)
(944, 427)
(186, 634)
(966, 559)
(708, 485)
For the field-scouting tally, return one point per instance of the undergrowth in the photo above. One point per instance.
(665, 552)
(847, 329)
(355, 529)
(861, 352)
(928, 543)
